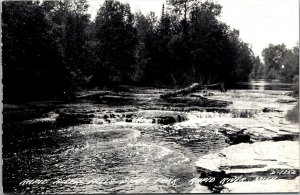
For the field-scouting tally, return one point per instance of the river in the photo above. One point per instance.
(129, 142)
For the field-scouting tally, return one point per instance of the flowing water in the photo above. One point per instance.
(98, 147)
(264, 85)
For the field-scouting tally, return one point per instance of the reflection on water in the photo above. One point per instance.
(264, 85)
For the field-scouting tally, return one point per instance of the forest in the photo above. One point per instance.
(52, 49)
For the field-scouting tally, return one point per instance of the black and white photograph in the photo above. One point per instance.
(150, 96)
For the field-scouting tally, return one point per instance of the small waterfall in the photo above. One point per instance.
(166, 120)
(213, 113)
(226, 113)
(244, 113)
(142, 120)
(81, 116)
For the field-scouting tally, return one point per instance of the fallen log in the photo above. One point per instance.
(192, 88)
(93, 95)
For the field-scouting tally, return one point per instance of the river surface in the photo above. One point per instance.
(117, 144)
(264, 85)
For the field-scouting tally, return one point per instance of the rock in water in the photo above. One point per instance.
(234, 135)
(167, 120)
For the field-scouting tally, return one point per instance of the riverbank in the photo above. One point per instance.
(268, 160)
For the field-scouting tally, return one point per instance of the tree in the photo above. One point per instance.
(258, 70)
(209, 43)
(32, 66)
(281, 63)
(273, 59)
(179, 6)
(145, 66)
(69, 21)
(116, 41)
(290, 64)
(243, 57)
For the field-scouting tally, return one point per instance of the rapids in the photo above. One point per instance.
(96, 147)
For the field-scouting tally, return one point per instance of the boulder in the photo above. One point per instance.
(234, 135)
(270, 110)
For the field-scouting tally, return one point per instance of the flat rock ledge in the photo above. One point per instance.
(257, 134)
(253, 167)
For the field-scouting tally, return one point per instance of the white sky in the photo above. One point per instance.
(260, 22)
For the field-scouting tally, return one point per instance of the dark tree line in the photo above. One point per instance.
(52, 48)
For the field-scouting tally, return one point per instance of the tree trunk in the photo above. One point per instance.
(192, 88)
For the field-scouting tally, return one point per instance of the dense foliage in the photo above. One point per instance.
(280, 63)
(52, 48)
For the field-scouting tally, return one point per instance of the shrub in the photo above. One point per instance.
(293, 115)
(295, 87)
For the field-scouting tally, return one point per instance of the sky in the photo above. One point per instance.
(260, 22)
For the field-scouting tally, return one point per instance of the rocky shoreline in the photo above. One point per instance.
(260, 159)
(240, 167)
